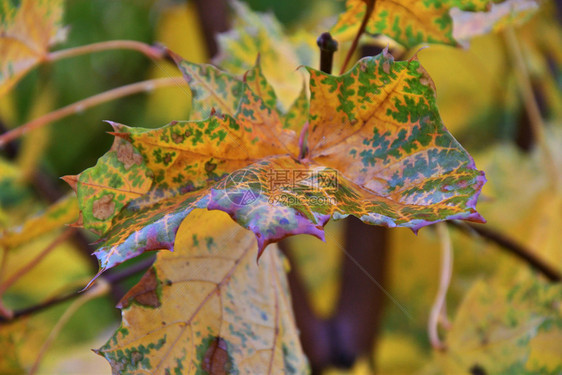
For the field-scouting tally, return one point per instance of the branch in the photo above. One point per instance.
(92, 101)
(35, 261)
(99, 290)
(153, 52)
(314, 331)
(328, 46)
(531, 105)
(111, 278)
(213, 15)
(512, 246)
(356, 322)
(368, 11)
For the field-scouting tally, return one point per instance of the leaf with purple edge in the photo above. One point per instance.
(377, 150)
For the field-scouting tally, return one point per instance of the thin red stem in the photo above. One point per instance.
(146, 49)
(92, 101)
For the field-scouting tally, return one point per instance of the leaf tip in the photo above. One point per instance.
(78, 223)
(124, 136)
(102, 270)
(415, 55)
(262, 244)
(71, 180)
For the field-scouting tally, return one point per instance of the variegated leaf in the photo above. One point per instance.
(377, 149)
(208, 307)
(409, 22)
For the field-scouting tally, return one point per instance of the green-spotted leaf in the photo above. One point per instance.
(409, 22)
(506, 329)
(377, 149)
(119, 177)
(209, 307)
(27, 30)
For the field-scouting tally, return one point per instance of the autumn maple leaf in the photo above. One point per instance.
(409, 22)
(376, 149)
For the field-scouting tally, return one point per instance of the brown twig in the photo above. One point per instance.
(98, 291)
(531, 105)
(328, 46)
(214, 19)
(370, 7)
(512, 246)
(314, 331)
(112, 278)
(36, 260)
(81, 105)
(153, 52)
(356, 321)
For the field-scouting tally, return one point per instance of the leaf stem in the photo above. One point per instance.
(153, 52)
(92, 101)
(438, 308)
(531, 105)
(370, 7)
(302, 142)
(512, 246)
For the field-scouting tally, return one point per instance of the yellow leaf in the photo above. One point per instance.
(496, 323)
(65, 211)
(178, 29)
(208, 306)
(9, 364)
(26, 33)
(36, 142)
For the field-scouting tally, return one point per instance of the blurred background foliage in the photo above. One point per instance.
(478, 101)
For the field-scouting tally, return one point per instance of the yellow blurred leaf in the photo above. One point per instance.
(280, 55)
(27, 31)
(208, 306)
(9, 361)
(398, 354)
(179, 29)
(468, 81)
(496, 323)
(36, 142)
